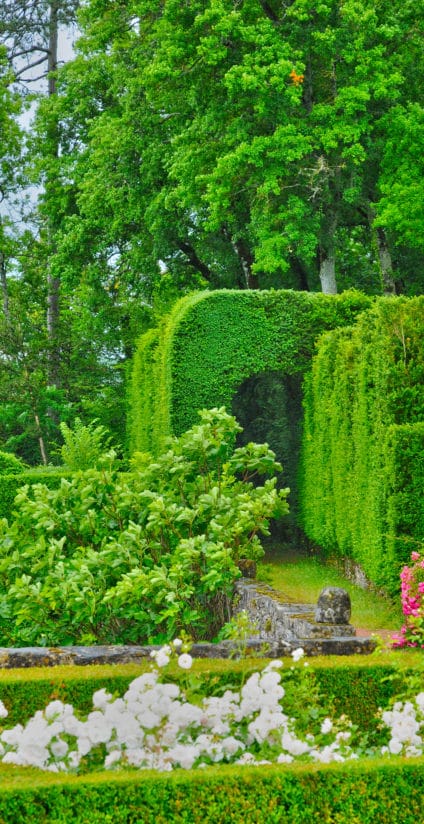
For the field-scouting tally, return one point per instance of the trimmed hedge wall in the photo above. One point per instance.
(360, 793)
(141, 394)
(9, 485)
(362, 464)
(212, 341)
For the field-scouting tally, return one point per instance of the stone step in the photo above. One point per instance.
(296, 624)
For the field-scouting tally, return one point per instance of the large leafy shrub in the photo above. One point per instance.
(138, 556)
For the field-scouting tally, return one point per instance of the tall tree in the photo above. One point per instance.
(240, 144)
(214, 144)
(29, 30)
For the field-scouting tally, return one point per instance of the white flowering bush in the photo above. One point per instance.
(405, 722)
(155, 726)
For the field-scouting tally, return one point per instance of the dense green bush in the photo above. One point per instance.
(86, 446)
(10, 464)
(112, 556)
(363, 442)
(212, 341)
(10, 484)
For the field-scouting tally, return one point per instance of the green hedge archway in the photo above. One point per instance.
(213, 341)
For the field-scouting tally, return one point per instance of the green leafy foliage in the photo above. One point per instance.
(85, 446)
(212, 342)
(362, 464)
(10, 484)
(141, 555)
(265, 137)
(10, 464)
(189, 146)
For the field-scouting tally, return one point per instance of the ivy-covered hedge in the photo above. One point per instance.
(212, 341)
(362, 466)
(366, 792)
(9, 485)
(141, 393)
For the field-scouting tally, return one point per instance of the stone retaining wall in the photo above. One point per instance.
(278, 628)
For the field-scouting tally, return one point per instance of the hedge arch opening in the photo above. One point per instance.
(268, 406)
(211, 342)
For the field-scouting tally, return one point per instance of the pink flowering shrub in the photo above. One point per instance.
(412, 594)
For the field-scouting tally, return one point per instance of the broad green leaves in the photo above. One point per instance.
(141, 555)
(234, 142)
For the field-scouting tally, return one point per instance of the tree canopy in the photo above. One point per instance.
(210, 144)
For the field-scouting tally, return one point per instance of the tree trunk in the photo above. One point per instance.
(301, 273)
(53, 282)
(4, 288)
(327, 274)
(381, 248)
(41, 443)
(386, 265)
(38, 429)
(327, 268)
(246, 260)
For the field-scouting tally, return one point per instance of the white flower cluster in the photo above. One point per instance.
(405, 721)
(154, 726)
(163, 656)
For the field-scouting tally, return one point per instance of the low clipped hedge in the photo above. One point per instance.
(360, 792)
(364, 791)
(357, 685)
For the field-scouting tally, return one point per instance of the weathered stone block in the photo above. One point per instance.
(333, 606)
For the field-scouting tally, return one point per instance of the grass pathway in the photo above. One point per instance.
(301, 578)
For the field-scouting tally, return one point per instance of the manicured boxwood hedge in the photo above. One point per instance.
(361, 792)
(358, 685)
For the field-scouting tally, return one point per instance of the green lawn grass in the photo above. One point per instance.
(301, 579)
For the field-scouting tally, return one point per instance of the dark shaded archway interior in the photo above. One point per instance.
(269, 408)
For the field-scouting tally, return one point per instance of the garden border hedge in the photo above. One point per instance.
(364, 439)
(375, 791)
(361, 792)
(357, 685)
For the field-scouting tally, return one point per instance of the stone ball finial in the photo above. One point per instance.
(333, 606)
